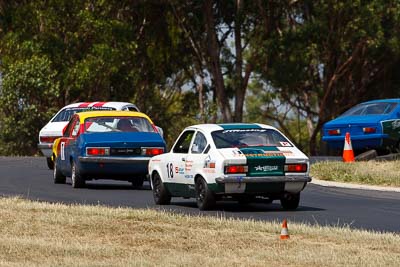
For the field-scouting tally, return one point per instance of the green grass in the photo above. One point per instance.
(43, 234)
(383, 173)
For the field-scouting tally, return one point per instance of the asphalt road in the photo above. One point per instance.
(363, 209)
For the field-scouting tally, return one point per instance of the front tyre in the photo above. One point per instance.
(160, 193)
(290, 201)
(59, 178)
(50, 163)
(205, 198)
(77, 179)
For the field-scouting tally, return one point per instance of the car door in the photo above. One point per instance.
(67, 144)
(176, 166)
(196, 157)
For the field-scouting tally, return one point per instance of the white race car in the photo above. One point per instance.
(53, 129)
(235, 161)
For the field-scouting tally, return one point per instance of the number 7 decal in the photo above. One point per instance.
(62, 150)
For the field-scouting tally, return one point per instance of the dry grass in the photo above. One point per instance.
(42, 234)
(385, 173)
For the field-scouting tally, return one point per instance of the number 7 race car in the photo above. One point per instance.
(106, 145)
(231, 161)
(53, 129)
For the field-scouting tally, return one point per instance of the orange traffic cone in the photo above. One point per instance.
(348, 155)
(284, 231)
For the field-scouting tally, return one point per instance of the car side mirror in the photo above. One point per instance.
(160, 131)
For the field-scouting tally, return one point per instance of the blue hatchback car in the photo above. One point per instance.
(372, 125)
(106, 145)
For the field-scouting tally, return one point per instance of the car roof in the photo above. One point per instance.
(111, 113)
(229, 126)
(394, 100)
(112, 104)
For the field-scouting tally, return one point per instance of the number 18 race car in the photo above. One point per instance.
(239, 161)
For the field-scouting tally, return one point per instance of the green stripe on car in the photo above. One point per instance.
(241, 126)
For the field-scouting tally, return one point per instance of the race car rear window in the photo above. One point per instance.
(66, 114)
(249, 137)
(371, 109)
(118, 124)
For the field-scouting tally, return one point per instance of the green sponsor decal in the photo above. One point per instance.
(264, 161)
(227, 126)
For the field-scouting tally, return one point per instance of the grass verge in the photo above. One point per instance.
(42, 234)
(383, 173)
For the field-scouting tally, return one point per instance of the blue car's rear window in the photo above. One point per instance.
(118, 124)
(249, 137)
(66, 114)
(371, 109)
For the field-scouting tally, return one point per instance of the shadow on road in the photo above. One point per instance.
(233, 206)
(113, 186)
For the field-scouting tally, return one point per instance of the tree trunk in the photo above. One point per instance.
(200, 88)
(238, 81)
(213, 51)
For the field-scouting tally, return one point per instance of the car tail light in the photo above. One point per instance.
(334, 132)
(296, 167)
(48, 139)
(368, 130)
(152, 151)
(98, 151)
(231, 169)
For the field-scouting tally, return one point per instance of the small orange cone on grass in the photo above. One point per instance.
(284, 231)
(348, 154)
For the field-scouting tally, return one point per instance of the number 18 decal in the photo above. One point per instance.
(170, 170)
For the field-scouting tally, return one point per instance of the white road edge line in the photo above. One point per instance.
(354, 186)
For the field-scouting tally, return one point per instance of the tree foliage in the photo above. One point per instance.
(294, 64)
(28, 90)
(329, 55)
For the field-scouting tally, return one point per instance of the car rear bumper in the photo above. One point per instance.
(357, 141)
(118, 160)
(46, 149)
(269, 179)
(355, 137)
(262, 186)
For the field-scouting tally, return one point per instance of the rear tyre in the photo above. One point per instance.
(50, 163)
(160, 193)
(138, 182)
(290, 201)
(77, 179)
(205, 198)
(59, 178)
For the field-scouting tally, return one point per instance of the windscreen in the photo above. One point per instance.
(249, 137)
(371, 109)
(118, 124)
(66, 114)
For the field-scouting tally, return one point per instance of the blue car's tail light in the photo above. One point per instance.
(334, 132)
(152, 151)
(296, 167)
(98, 151)
(369, 130)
